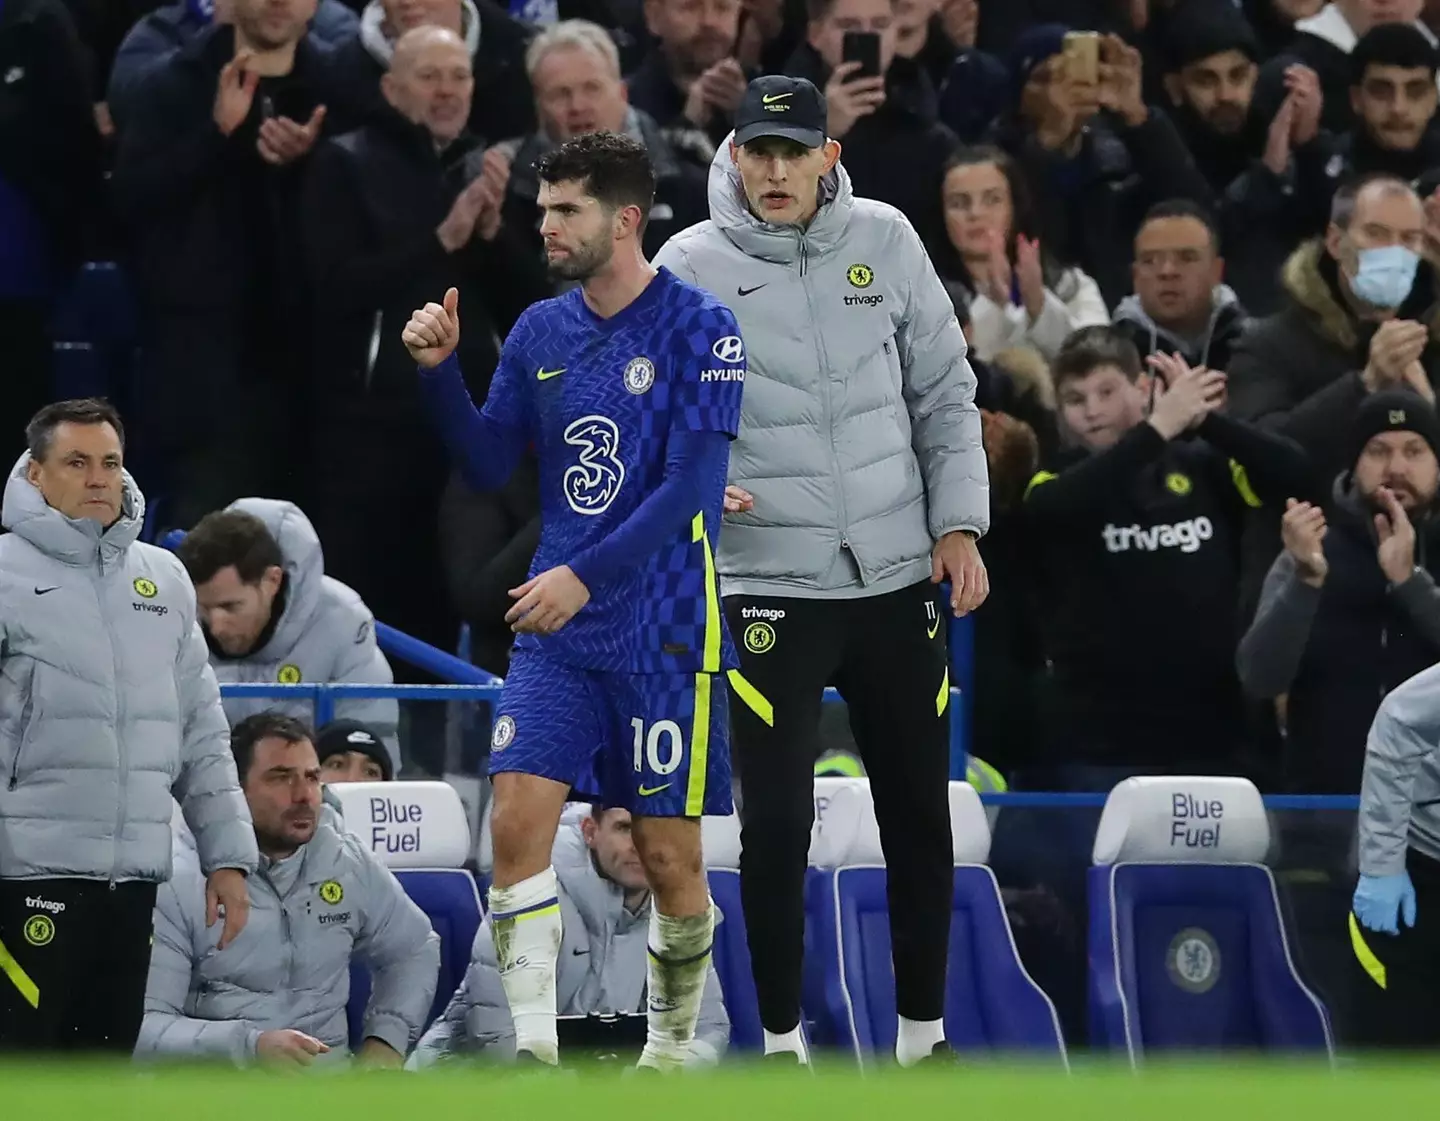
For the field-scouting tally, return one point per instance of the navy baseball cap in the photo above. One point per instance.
(775, 105)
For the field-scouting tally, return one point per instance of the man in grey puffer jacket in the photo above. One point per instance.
(271, 614)
(605, 911)
(319, 900)
(858, 482)
(107, 707)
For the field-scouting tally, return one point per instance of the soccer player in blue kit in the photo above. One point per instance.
(628, 388)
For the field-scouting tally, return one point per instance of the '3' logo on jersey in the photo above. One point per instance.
(592, 483)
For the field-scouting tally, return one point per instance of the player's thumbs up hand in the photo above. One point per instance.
(434, 331)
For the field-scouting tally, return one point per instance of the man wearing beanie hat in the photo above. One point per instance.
(350, 752)
(1210, 59)
(1350, 609)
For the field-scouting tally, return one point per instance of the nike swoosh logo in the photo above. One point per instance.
(546, 375)
(578, 953)
(771, 98)
(646, 791)
(933, 631)
(46, 591)
(747, 291)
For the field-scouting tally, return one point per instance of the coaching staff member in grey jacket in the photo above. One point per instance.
(320, 900)
(107, 707)
(859, 483)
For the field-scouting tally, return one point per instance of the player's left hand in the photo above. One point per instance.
(226, 888)
(957, 556)
(376, 1054)
(546, 603)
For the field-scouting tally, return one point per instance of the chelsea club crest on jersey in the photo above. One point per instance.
(639, 375)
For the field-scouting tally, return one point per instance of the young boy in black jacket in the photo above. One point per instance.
(1136, 542)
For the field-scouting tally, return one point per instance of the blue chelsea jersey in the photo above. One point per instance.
(599, 399)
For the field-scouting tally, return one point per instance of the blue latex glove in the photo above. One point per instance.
(1381, 901)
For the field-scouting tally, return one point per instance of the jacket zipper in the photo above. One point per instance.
(829, 433)
(28, 716)
(121, 802)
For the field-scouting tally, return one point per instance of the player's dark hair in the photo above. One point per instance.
(1090, 348)
(1400, 45)
(40, 432)
(819, 9)
(225, 537)
(271, 724)
(615, 170)
(1185, 208)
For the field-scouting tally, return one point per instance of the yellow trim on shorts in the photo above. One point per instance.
(711, 656)
(699, 747)
(1366, 956)
(19, 978)
(942, 698)
(1242, 484)
(754, 699)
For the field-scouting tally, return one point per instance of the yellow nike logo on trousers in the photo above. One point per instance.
(546, 375)
(933, 631)
(646, 791)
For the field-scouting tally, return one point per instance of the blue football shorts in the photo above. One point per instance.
(656, 744)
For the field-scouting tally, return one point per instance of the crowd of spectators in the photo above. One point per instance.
(1194, 253)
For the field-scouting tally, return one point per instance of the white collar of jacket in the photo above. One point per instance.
(74, 541)
(1329, 23)
(304, 567)
(766, 242)
(382, 49)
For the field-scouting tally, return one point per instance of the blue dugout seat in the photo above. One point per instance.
(419, 830)
(991, 1003)
(1187, 944)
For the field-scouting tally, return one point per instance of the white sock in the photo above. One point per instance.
(792, 1041)
(679, 961)
(916, 1039)
(525, 923)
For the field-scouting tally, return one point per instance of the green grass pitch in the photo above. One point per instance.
(1210, 1091)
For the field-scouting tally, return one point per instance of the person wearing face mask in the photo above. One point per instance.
(1152, 500)
(1361, 317)
(1350, 609)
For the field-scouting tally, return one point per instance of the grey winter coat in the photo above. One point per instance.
(311, 914)
(325, 634)
(107, 704)
(1400, 793)
(859, 433)
(602, 969)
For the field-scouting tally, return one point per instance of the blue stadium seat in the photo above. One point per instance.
(419, 830)
(1187, 945)
(991, 1003)
(721, 840)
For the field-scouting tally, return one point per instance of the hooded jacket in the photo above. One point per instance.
(1211, 348)
(1336, 650)
(107, 704)
(311, 914)
(1298, 371)
(323, 634)
(501, 105)
(859, 435)
(602, 968)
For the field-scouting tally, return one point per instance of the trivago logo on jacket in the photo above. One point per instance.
(1186, 536)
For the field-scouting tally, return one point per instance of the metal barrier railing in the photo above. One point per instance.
(324, 697)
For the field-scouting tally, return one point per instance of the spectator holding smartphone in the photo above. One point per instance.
(884, 113)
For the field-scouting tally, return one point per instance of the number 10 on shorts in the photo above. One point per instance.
(662, 747)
